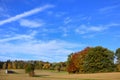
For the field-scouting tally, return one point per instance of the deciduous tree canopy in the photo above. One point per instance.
(99, 59)
(95, 59)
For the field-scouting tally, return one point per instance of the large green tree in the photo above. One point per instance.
(99, 59)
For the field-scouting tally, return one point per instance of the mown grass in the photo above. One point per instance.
(54, 75)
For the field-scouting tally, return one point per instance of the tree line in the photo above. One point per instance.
(88, 60)
(20, 64)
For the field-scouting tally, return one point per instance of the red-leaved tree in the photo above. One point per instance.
(76, 61)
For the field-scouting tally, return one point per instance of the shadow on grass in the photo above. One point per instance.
(11, 72)
(41, 75)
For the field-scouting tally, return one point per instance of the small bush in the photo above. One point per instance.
(30, 70)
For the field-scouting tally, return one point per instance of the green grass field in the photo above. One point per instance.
(54, 75)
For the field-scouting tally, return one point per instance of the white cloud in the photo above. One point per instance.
(83, 29)
(86, 29)
(25, 14)
(87, 18)
(55, 49)
(96, 28)
(19, 37)
(108, 9)
(27, 44)
(67, 20)
(31, 23)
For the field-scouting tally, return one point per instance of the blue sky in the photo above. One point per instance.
(50, 30)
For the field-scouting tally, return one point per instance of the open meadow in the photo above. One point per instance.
(54, 75)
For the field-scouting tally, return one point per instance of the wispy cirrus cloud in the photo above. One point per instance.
(22, 37)
(108, 8)
(31, 23)
(83, 29)
(25, 14)
(67, 20)
(86, 29)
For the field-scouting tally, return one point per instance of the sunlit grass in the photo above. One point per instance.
(55, 75)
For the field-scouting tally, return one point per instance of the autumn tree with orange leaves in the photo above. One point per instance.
(76, 61)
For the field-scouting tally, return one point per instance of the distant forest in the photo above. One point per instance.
(88, 60)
